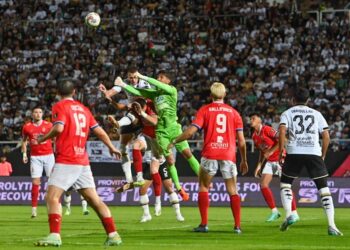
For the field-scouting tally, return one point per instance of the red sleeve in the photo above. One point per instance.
(150, 109)
(58, 114)
(199, 120)
(270, 132)
(238, 121)
(24, 131)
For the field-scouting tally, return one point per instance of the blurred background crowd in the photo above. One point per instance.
(259, 50)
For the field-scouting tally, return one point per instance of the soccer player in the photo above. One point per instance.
(221, 125)
(266, 141)
(67, 198)
(168, 185)
(146, 116)
(164, 97)
(72, 123)
(41, 155)
(303, 125)
(126, 123)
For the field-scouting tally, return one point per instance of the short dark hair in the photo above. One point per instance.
(132, 69)
(37, 107)
(254, 114)
(167, 74)
(301, 95)
(65, 88)
(141, 101)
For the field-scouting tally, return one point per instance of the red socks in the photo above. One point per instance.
(157, 184)
(35, 195)
(137, 158)
(108, 224)
(236, 209)
(294, 203)
(55, 223)
(268, 196)
(203, 204)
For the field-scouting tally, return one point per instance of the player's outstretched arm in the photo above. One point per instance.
(187, 134)
(102, 135)
(158, 84)
(55, 131)
(243, 151)
(325, 143)
(148, 93)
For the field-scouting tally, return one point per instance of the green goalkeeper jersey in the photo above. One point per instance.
(164, 97)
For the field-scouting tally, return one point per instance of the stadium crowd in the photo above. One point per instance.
(259, 51)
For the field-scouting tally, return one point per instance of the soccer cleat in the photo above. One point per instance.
(145, 218)
(180, 218)
(184, 195)
(296, 217)
(273, 216)
(334, 231)
(86, 212)
(290, 220)
(139, 183)
(34, 213)
(113, 241)
(124, 187)
(157, 209)
(50, 240)
(201, 229)
(237, 230)
(68, 211)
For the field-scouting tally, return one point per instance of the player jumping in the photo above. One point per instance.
(164, 97)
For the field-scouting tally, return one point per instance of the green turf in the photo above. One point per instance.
(18, 231)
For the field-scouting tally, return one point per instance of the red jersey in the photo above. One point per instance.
(77, 121)
(5, 168)
(265, 139)
(149, 130)
(220, 123)
(32, 131)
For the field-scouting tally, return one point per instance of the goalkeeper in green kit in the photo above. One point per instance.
(164, 97)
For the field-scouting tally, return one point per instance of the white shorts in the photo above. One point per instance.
(65, 176)
(272, 168)
(39, 163)
(228, 168)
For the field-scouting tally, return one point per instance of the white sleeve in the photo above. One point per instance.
(117, 88)
(322, 123)
(284, 119)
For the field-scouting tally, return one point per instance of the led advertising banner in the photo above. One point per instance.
(17, 190)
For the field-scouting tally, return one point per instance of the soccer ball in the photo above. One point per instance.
(93, 19)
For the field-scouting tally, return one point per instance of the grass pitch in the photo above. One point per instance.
(18, 231)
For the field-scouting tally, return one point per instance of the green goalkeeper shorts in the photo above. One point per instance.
(166, 135)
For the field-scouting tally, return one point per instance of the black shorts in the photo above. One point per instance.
(314, 165)
(131, 129)
(163, 171)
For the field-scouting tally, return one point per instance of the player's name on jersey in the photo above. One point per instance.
(76, 108)
(302, 111)
(220, 109)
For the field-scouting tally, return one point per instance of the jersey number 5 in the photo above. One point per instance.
(221, 123)
(80, 124)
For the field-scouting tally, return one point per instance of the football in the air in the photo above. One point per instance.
(93, 19)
